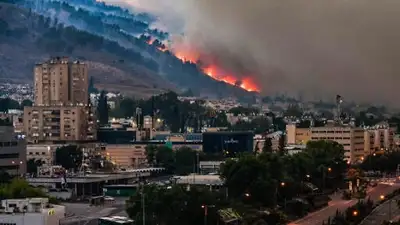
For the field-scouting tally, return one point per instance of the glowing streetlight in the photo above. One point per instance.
(355, 213)
(283, 184)
(329, 169)
(382, 197)
(247, 194)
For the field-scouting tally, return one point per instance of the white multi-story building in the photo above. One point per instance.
(30, 211)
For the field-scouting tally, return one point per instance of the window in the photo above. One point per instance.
(9, 156)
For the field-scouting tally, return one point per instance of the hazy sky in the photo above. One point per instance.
(317, 47)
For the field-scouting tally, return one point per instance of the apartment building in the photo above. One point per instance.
(59, 81)
(297, 136)
(379, 138)
(351, 138)
(12, 152)
(55, 123)
(127, 156)
(61, 111)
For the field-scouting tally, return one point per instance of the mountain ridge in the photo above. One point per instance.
(29, 38)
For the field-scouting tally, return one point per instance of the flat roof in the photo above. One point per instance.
(228, 132)
(95, 177)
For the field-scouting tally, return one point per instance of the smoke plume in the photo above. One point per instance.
(315, 47)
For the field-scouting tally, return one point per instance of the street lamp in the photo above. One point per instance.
(282, 184)
(382, 197)
(247, 194)
(329, 169)
(355, 213)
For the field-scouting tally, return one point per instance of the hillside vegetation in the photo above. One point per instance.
(27, 38)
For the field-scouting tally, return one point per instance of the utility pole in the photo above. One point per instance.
(143, 207)
(205, 214)
(198, 163)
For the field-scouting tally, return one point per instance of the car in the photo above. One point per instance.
(108, 198)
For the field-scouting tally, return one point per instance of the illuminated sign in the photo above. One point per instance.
(231, 141)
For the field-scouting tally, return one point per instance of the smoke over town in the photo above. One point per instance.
(317, 48)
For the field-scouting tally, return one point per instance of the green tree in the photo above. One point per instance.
(32, 166)
(165, 157)
(293, 111)
(19, 188)
(267, 145)
(185, 207)
(26, 102)
(103, 108)
(248, 179)
(126, 107)
(185, 161)
(69, 157)
(4, 177)
(7, 103)
(386, 162)
(151, 151)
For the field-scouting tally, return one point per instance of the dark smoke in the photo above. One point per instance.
(316, 47)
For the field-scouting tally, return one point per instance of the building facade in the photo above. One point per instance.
(41, 152)
(351, 138)
(379, 138)
(61, 81)
(12, 152)
(228, 143)
(127, 156)
(61, 111)
(33, 211)
(55, 123)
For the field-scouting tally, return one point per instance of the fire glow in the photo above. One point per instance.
(213, 71)
(218, 74)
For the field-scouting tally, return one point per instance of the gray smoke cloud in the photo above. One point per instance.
(315, 47)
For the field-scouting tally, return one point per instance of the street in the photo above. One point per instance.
(83, 214)
(385, 212)
(316, 218)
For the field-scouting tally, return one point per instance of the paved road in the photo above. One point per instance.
(316, 218)
(385, 212)
(83, 214)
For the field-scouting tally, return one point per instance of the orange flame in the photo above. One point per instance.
(214, 71)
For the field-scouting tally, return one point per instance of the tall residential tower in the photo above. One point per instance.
(61, 111)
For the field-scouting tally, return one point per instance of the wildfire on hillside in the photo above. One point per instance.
(218, 73)
(212, 70)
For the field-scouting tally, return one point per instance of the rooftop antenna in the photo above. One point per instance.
(339, 102)
(139, 118)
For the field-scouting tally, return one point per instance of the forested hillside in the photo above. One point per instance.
(115, 56)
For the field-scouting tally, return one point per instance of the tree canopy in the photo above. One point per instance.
(322, 162)
(32, 166)
(102, 108)
(69, 157)
(184, 207)
(386, 162)
(180, 162)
